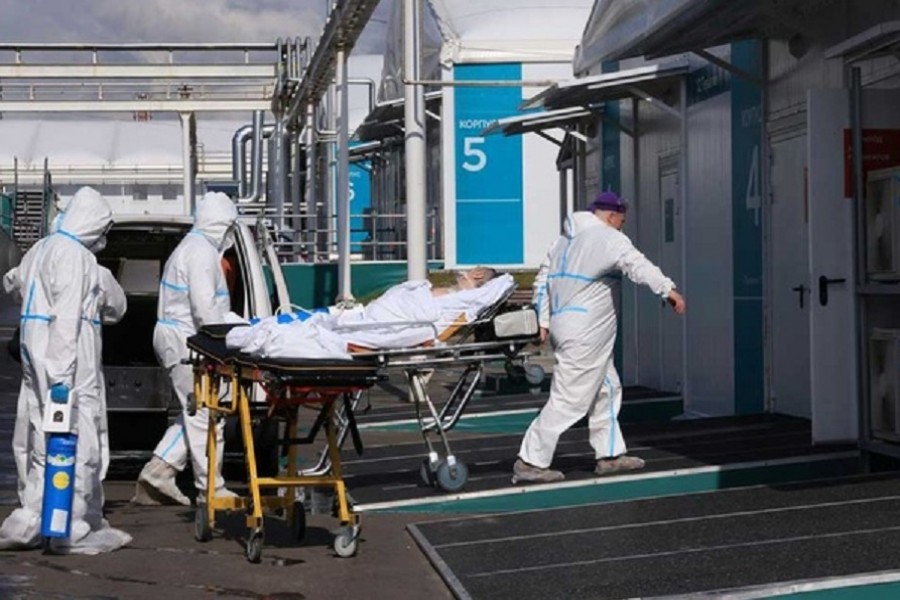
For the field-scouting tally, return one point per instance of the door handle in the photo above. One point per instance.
(800, 289)
(824, 282)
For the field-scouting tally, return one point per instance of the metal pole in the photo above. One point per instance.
(414, 121)
(563, 198)
(343, 178)
(684, 188)
(296, 170)
(276, 173)
(328, 187)
(256, 156)
(189, 158)
(636, 218)
(311, 180)
(859, 191)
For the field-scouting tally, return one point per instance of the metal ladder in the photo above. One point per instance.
(29, 218)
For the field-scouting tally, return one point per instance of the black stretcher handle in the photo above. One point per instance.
(351, 424)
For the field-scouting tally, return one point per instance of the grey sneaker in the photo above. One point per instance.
(156, 485)
(608, 466)
(522, 471)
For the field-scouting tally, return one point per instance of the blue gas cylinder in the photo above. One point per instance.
(59, 485)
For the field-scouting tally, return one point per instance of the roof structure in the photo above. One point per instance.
(619, 29)
(486, 31)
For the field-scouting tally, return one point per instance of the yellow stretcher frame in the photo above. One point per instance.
(209, 377)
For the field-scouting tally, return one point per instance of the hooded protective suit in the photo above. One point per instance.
(574, 293)
(65, 297)
(193, 293)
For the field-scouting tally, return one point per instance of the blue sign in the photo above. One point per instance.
(360, 204)
(746, 229)
(489, 189)
(707, 82)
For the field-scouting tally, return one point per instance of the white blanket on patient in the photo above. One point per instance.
(406, 315)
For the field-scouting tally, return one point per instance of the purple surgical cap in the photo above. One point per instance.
(608, 201)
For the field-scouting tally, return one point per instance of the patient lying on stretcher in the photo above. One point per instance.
(407, 315)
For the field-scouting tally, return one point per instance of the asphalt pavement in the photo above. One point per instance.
(164, 560)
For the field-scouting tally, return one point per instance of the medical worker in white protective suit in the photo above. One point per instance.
(574, 293)
(192, 293)
(66, 296)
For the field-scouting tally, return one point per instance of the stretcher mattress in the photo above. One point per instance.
(209, 342)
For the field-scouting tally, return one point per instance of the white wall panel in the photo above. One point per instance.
(709, 247)
(540, 177)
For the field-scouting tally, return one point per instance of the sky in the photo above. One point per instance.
(121, 21)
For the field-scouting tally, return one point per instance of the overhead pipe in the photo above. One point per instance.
(255, 192)
(370, 83)
(541, 83)
(239, 154)
(341, 31)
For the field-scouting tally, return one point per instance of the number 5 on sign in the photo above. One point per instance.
(477, 155)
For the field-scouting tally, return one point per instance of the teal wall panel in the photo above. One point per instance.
(746, 135)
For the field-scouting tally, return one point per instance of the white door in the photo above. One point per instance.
(790, 285)
(833, 326)
(670, 262)
(833, 342)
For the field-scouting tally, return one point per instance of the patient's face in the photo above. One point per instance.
(474, 278)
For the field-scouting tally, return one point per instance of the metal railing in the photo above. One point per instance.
(136, 90)
(374, 236)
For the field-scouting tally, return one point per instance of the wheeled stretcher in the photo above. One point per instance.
(491, 337)
(289, 384)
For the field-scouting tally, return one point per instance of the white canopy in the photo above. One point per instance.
(486, 31)
(94, 143)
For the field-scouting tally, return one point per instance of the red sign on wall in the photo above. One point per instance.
(881, 150)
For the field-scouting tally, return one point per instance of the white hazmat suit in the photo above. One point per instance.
(66, 296)
(575, 295)
(192, 293)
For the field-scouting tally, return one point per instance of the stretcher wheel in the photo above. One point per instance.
(426, 473)
(298, 521)
(202, 529)
(346, 541)
(254, 545)
(451, 479)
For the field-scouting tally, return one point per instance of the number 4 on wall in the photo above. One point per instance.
(753, 197)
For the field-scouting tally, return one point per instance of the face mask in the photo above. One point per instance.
(228, 239)
(99, 245)
(228, 242)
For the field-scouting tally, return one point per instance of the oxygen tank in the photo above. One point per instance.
(59, 472)
(59, 485)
